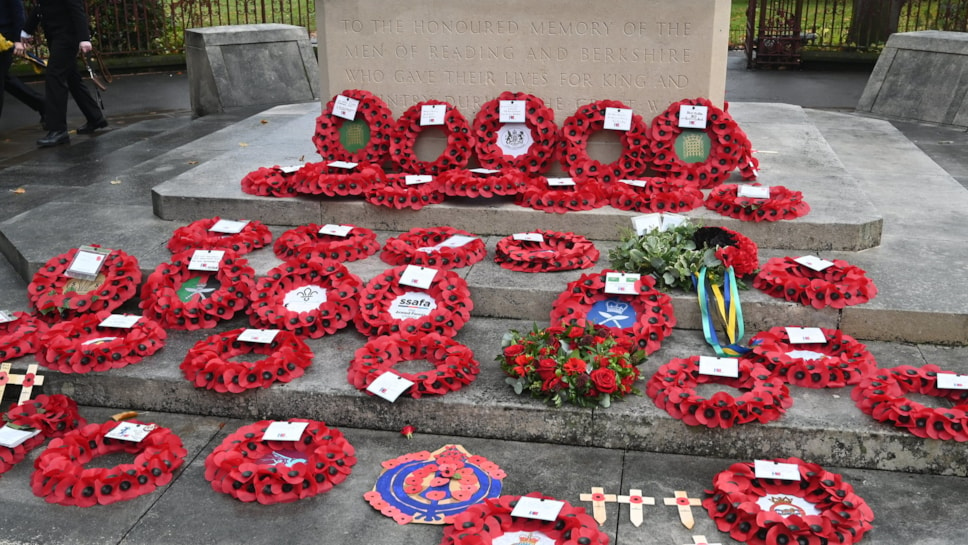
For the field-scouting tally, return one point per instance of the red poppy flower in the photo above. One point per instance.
(19, 338)
(271, 181)
(57, 296)
(395, 192)
(556, 251)
(782, 204)
(482, 523)
(433, 247)
(79, 345)
(307, 242)
(199, 236)
(655, 194)
(590, 118)
(407, 129)
(335, 181)
(839, 361)
(837, 286)
(372, 111)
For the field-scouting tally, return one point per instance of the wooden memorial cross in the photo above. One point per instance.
(701, 540)
(635, 501)
(685, 504)
(26, 381)
(598, 497)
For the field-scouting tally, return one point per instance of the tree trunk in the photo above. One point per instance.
(874, 21)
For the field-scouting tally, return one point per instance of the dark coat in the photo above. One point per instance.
(11, 19)
(61, 19)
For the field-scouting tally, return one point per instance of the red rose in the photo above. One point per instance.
(575, 365)
(513, 350)
(575, 331)
(604, 380)
(546, 368)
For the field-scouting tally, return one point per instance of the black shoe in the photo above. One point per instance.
(54, 138)
(91, 126)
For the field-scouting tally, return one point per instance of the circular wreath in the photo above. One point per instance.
(451, 306)
(210, 365)
(306, 242)
(840, 361)
(764, 397)
(198, 236)
(407, 129)
(658, 195)
(79, 346)
(54, 415)
(882, 396)
(838, 286)
(420, 246)
(539, 120)
(249, 468)
(589, 119)
(770, 511)
(57, 296)
(60, 476)
(19, 337)
(557, 251)
(651, 320)
(725, 141)
(371, 111)
(487, 522)
(783, 204)
(465, 183)
(269, 182)
(454, 364)
(538, 195)
(182, 299)
(330, 181)
(310, 298)
(396, 193)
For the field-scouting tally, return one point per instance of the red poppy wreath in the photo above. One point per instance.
(839, 361)
(526, 145)
(819, 509)
(336, 181)
(60, 476)
(782, 204)
(454, 364)
(437, 247)
(644, 319)
(180, 298)
(79, 345)
(839, 285)
(654, 195)
(387, 306)
(198, 235)
(56, 296)
(764, 398)
(882, 395)
(589, 119)
(401, 191)
(365, 139)
(19, 336)
(53, 415)
(407, 129)
(271, 181)
(250, 468)
(555, 251)
(316, 242)
(538, 194)
(212, 363)
(310, 298)
(484, 183)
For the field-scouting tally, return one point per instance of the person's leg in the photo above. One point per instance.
(19, 90)
(6, 57)
(85, 101)
(60, 64)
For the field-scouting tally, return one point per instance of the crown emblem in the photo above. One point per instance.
(784, 506)
(616, 306)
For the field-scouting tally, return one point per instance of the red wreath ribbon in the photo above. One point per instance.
(197, 236)
(464, 183)
(269, 182)
(306, 242)
(117, 282)
(448, 290)
(557, 251)
(538, 195)
(658, 195)
(396, 193)
(732, 503)
(79, 346)
(342, 287)
(881, 395)
(764, 397)
(729, 145)
(19, 337)
(406, 249)
(654, 314)
(372, 111)
(589, 119)
(842, 360)
(210, 365)
(54, 415)
(160, 301)
(482, 523)
(783, 204)
(837, 286)
(407, 129)
(330, 181)
(247, 467)
(60, 476)
(540, 121)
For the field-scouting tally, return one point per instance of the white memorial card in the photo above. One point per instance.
(206, 260)
(951, 381)
(6, 317)
(336, 230)
(621, 283)
(432, 114)
(536, 508)
(261, 336)
(718, 367)
(528, 237)
(345, 107)
(130, 431)
(693, 117)
(418, 277)
(12, 437)
(87, 263)
(754, 191)
(292, 169)
(348, 165)
(229, 227)
(120, 321)
(662, 222)
(635, 183)
(560, 182)
(806, 335)
(285, 431)
(512, 111)
(484, 171)
(813, 262)
(417, 179)
(389, 386)
(618, 119)
(766, 469)
(453, 241)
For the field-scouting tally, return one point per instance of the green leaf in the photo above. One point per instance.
(515, 383)
(605, 401)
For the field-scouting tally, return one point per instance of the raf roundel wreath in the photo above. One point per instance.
(307, 242)
(456, 152)
(19, 337)
(589, 119)
(57, 296)
(839, 361)
(199, 236)
(365, 139)
(210, 363)
(434, 247)
(54, 415)
(538, 127)
(78, 345)
(555, 252)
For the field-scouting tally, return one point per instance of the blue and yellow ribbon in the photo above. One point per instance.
(730, 313)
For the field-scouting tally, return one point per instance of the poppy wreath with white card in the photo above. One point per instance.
(494, 138)
(310, 298)
(211, 362)
(60, 476)
(180, 298)
(307, 242)
(782, 203)
(335, 181)
(19, 337)
(57, 296)
(763, 398)
(79, 345)
(271, 181)
(403, 138)
(51, 415)
(397, 193)
(839, 285)
(556, 251)
(589, 119)
(387, 306)
(454, 364)
(253, 469)
(538, 194)
(818, 509)
(656, 195)
(333, 132)
(428, 248)
(839, 361)
(460, 182)
(198, 235)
